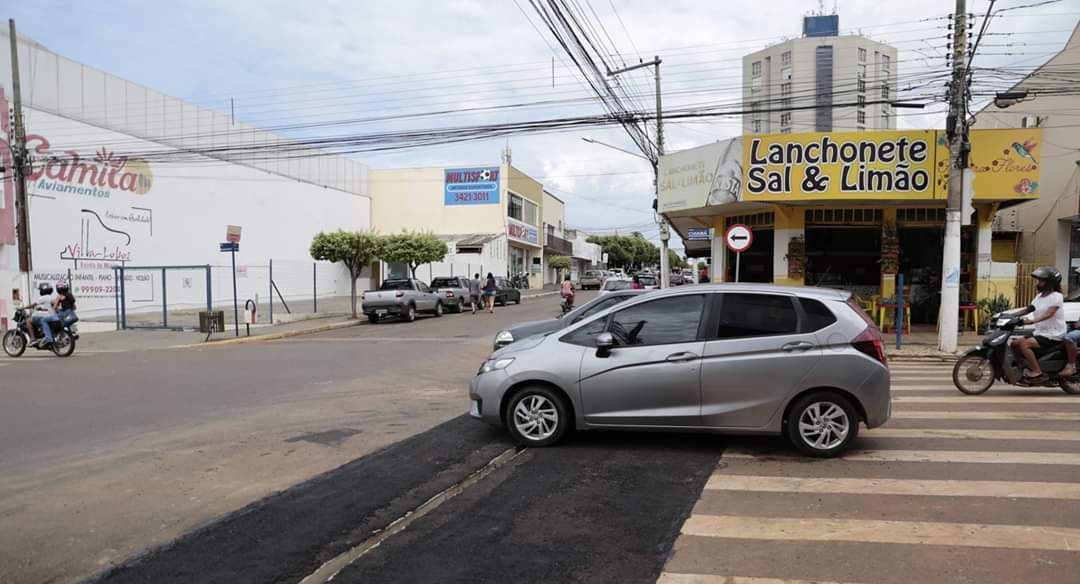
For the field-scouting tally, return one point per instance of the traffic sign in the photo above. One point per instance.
(232, 233)
(738, 238)
(230, 246)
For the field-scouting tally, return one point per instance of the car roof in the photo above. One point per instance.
(804, 291)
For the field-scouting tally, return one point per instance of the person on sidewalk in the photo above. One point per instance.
(474, 292)
(1048, 316)
(490, 290)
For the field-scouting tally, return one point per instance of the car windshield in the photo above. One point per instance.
(444, 283)
(592, 274)
(396, 285)
(647, 280)
(616, 285)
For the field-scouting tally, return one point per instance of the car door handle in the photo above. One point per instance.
(797, 346)
(683, 356)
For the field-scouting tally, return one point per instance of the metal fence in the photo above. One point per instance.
(1025, 284)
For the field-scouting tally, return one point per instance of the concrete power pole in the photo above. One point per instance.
(19, 159)
(957, 133)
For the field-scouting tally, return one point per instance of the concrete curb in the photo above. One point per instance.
(921, 358)
(540, 295)
(271, 336)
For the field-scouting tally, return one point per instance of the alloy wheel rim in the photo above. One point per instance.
(536, 417)
(824, 425)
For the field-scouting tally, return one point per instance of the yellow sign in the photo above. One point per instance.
(833, 166)
(1006, 163)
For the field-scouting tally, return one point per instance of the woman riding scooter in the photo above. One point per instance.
(1048, 316)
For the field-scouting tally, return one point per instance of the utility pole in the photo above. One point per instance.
(957, 133)
(665, 232)
(19, 159)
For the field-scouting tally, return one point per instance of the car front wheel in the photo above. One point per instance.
(822, 424)
(537, 416)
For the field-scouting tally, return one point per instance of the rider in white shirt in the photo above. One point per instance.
(1048, 316)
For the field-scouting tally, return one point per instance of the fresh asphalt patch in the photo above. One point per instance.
(287, 536)
(604, 507)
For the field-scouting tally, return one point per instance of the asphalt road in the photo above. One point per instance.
(103, 456)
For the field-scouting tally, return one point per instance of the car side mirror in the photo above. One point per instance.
(604, 343)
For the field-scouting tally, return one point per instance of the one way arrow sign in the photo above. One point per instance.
(738, 238)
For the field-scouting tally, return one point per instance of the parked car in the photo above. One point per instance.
(591, 279)
(649, 281)
(506, 292)
(537, 327)
(614, 284)
(454, 292)
(404, 298)
(806, 363)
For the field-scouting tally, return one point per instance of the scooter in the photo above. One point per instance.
(994, 360)
(17, 339)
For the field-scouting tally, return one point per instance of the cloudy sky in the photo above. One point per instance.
(286, 62)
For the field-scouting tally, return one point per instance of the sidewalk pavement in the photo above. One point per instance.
(137, 340)
(923, 346)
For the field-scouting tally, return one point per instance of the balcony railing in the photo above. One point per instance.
(557, 245)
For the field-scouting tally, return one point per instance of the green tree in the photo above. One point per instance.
(560, 263)
(413, 249)
(675, 261)
(355, 249)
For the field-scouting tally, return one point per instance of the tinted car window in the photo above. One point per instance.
(395, 285)
(818, 316)
(423, 287)
(445, 283)
(602, 304)
(756, 315)
(647, 280)
(659, 322)
(616, 285)
(586, 335)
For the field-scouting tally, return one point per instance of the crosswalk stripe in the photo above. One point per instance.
(675, 578)
(967, 415)
(890, 532)
(953, 456)
(977, 434)
(878, 486)
(1034, 399)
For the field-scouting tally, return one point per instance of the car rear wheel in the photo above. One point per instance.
(373, 318)
(537, 416)
(457, 308)
(822, 424)
(410, 313)
(500, 300)
(438, 309)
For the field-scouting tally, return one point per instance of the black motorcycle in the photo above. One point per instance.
(994, 360)
(17, 339)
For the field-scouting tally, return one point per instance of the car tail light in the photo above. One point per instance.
(449, 293)
(869, 342)
(399, 294)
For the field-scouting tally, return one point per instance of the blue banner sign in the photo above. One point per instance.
(472, 186)
(698, 234)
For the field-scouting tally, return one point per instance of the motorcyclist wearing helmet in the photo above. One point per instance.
(1048, 316)
(46, 306)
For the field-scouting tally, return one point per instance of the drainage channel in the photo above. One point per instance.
(333, 567)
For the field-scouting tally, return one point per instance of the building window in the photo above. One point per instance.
(529, 214)
(885, 63)
(862, 86)
(785, 119)
(755, 86)
(823, 85)
(862, 71)
(862, 100)
(755, 69)
(785, 104)
(885, 90)
(785, 73)
(757, 126)
(785, 88)
(884, 118)
(861, 118)
(862, 55)
(785, 58)
(515, 207)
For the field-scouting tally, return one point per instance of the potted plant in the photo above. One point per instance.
(890, 249)
(796, 257)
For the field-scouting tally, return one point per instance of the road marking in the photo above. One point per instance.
(891, 532)
(674, 578)
(953, 456)
(1035, 399)
(966, 415)
(934, 488)
(976, 434)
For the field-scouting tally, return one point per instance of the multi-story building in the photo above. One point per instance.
(820, 82)
(555, 241)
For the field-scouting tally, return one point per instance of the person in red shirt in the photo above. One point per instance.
(568, 291)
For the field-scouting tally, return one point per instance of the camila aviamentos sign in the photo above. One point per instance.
(839, 165)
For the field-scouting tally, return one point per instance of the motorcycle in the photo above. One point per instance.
(567, 304)
(994, 360)
(17, 339)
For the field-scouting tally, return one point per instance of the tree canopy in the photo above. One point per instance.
(355, 249)
(413, 249)
(628, 251)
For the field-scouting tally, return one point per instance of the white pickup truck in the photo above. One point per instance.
(402, 298)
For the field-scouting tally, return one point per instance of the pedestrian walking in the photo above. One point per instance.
(474, 292)
(490, 290)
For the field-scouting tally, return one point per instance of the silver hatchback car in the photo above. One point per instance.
(735, 358)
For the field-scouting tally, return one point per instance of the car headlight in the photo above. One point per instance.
(504, 338)
(495, 364)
